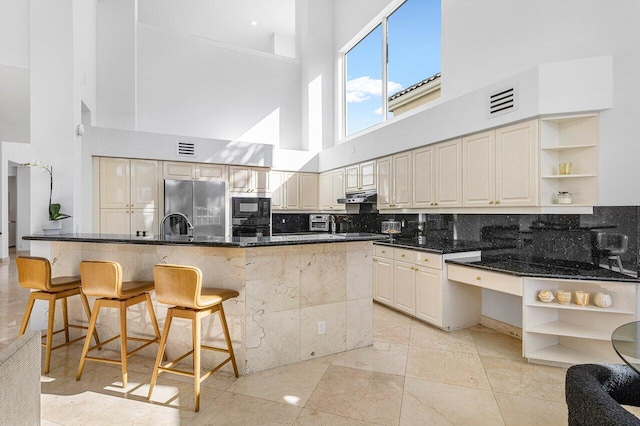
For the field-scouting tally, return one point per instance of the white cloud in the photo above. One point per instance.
(378, 111)
(362, 88)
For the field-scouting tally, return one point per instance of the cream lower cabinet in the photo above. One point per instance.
(409, 281)
(128, 221)
(500, 167)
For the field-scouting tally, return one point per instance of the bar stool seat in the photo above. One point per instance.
(103, 280)
(181, 286)
(34, 273)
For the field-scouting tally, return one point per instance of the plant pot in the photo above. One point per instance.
(51, 227)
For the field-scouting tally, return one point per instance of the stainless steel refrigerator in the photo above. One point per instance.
(202, 202)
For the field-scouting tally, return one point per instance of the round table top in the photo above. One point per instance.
(626, 342)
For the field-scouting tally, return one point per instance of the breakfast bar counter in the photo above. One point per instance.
(301, 297)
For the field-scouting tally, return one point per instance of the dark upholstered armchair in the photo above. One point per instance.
(594, 393)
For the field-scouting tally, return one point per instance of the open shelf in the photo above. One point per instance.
(582, 175)
(564, 328)
(574, 307)
(566, 147)
(565, 355)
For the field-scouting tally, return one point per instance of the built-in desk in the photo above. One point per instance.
(554, 333)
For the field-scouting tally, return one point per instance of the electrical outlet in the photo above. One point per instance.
(321, 327)
(283, 220)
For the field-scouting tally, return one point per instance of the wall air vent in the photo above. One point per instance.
(503, 101)
(186, 149)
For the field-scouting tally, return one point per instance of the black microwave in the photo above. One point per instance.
(258, 208)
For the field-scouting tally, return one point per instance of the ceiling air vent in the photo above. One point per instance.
(503, 101)
(186, 149)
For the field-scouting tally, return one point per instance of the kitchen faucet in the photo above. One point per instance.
(182, 215)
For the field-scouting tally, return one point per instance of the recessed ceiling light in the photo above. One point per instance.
(254, 23)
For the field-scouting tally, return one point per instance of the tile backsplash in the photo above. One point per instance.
(596, 238)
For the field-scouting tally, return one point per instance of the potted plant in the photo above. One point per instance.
(53, 225)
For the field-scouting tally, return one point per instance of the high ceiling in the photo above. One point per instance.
(227, 21)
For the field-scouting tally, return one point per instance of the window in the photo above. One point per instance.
(400, 55)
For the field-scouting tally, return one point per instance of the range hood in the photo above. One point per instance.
(363, 197)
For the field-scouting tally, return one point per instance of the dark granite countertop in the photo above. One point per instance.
(443, 246)
(278, 240)
(531, 266)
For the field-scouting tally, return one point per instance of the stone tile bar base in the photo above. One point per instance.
(285, 291)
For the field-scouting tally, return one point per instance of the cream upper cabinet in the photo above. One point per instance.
(395, 181)
(194, 171)
(517, 164)
(402, 180)
(332, 187)
(479, 166)
(423, 177)
(308, 191)
(501, 167)
(144, 184)
(448, 174)
(115, 183)
(294, 191)
(128, 183)
(360, 177)
(248, 179)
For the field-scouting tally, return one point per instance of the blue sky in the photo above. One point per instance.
(414, 54)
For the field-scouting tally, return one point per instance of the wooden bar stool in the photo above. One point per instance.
(34, 273)
(181, 286)
(103, 279)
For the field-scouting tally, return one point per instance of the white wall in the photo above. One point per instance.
(14, 33)
(116, 25)
(195, 87)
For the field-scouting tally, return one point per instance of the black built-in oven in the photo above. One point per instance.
(250, 217)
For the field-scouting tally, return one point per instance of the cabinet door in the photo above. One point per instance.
(448, 174)
(144, 220)
(260, 179)
(337, 186)
(517, 164)
(144, 184)
(179, 171)
(383, 280)
(429, 295)
(368, 175)
(277, 190)
(292, 189)
(325, 189)
(115, 183)
(478, 157)
(352, 176)
(404, 277)
(308, 191)
(115, 221)
(239, 179)
(402, 180)
(212, 172)
(423, 173)
(384, 166)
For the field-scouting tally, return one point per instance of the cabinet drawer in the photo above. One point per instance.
(383, 251)
(429, 260)
(409, 256)
(494, 281)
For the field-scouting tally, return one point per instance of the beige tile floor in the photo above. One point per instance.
(413, 374)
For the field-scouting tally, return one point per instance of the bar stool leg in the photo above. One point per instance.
(161, 351)
(27, 314)
(196, 358)
(87, 311)
(52, 313)
(227, 337)
(65, 319)
(87, 340)
(123, 342)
